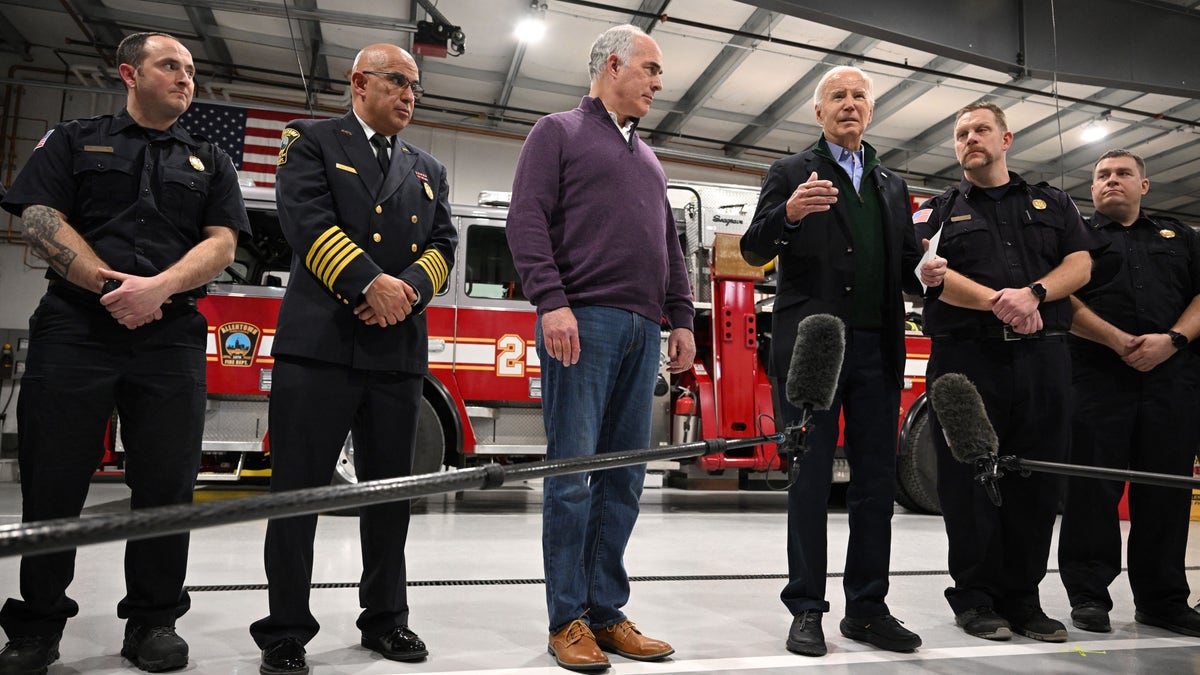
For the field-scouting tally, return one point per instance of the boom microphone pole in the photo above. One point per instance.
(972, 440)
(1025, 466)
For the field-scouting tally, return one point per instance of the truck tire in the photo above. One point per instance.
(916, 467)
(430, 449)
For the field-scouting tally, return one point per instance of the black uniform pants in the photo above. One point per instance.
(313, 406)
(870, 400)
(998, 554)
(82, 365)
(1125, 419)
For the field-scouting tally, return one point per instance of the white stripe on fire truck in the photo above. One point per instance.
(470, 352)
(915, 364)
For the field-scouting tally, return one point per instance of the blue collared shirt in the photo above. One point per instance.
(850, 160)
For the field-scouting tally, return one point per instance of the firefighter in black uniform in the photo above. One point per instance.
(1135, 386)
(368, 219)
(1016, 252)
(134, 202)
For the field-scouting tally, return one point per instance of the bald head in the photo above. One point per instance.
(379, 56)
(381, 79)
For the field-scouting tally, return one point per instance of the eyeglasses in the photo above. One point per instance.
(400, 80)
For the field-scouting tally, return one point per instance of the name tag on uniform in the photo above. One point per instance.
(959, 219)
(343, 167)
(98, 148)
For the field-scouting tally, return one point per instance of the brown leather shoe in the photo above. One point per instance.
(625, 639)
(574, 648)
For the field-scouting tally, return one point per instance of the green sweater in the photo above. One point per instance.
(866, 233)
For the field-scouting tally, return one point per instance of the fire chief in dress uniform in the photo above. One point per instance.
(368, 219)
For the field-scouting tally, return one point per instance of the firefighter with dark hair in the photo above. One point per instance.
(133, 216)
(1135, 385)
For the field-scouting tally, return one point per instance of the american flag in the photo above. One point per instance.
(249, 136)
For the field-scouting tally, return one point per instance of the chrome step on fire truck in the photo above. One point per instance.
(482, 396)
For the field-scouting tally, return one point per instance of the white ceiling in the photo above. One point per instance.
(248, 51)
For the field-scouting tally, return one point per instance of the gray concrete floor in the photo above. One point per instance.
(475, 566)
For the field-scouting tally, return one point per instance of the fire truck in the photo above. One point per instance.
(482, 395)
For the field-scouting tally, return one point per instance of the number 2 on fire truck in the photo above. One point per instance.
(510, 356)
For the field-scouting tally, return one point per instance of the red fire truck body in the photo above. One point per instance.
(482, 398)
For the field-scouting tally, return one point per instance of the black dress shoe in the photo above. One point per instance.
(283, 657)
(399, 645)
(1183, 621)
(1091, 616)
(882, 631)
(805, 635)
(31, 654)
(154, 649)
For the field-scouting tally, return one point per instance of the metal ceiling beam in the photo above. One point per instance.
(311, 40)
(514, 66)
(794, 98)
(93, 13)
(1086, 155)
(656, 7)
(728, 60)
(1110, 43)
(911, 88)
(215, 48)
(276, 10)
(11, 39)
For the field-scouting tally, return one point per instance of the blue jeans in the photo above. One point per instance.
(601, 404)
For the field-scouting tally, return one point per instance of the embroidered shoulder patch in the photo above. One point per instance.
(290, 136)
(43, 141)
(922, 216)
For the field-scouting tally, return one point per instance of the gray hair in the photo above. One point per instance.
(837, 71)
(616, 40)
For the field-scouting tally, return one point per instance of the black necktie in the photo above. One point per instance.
(382, 144)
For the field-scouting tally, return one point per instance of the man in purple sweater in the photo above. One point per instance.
(595, 245)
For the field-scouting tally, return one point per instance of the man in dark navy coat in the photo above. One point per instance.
(368, 219)
(841, 225)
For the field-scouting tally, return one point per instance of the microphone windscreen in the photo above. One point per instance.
(816, 362)
(963, 418)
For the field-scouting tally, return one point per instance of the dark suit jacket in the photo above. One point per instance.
(347, 223)
(816, 264)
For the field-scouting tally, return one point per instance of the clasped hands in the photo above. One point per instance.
(387, 301)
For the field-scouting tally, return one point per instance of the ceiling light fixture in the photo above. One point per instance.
(532, 28)
(1096, 129)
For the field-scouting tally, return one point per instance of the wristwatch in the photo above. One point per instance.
(1039, 291)
(1178, 340)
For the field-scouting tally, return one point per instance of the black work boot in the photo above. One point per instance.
(154, 648)
(29, 654)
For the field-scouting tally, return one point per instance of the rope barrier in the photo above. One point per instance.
(63, 534)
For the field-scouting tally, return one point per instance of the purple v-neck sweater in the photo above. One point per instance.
(589, 222)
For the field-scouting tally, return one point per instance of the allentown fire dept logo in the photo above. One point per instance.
(238, 343)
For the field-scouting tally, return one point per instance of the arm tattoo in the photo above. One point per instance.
(42, 223)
